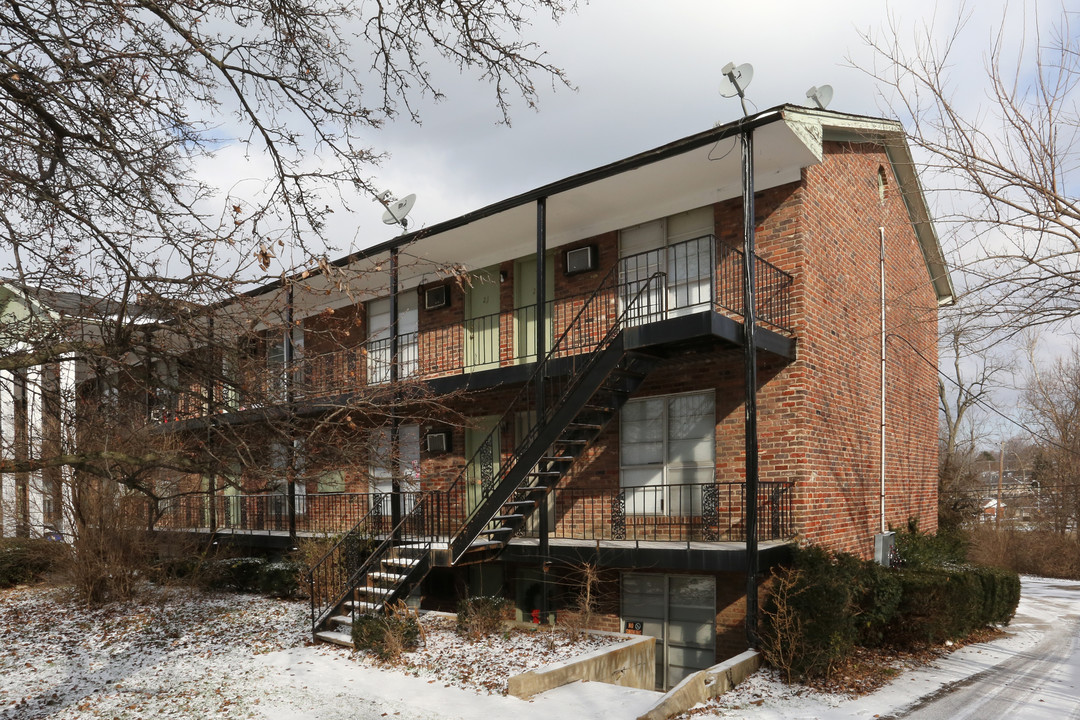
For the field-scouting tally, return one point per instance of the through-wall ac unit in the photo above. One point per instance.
(582, 259)
(438, 442)
(436, 297)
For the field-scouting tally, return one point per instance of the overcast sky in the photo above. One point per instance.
(646, 73)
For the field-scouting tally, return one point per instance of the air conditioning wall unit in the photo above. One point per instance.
(436, 297)
(582, 259)
(438, 442)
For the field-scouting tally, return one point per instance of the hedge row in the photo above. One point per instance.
(26, 561)
(824, 604)
(943, 603)
(252, 574)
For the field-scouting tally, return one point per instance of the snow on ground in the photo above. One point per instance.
(185, 654)
(1044, 604)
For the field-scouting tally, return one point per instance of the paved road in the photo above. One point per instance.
(1042, 681)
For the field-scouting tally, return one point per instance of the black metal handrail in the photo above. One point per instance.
(572, 348)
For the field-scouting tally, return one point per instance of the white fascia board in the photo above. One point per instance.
(890, 135)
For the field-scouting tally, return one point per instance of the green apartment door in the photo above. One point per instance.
(487, 462)
(482, 320)
(525, 306)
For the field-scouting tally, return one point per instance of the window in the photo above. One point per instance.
(331, 481)
(379, 350)
(667, 450)
(681, 246)
(381, 461)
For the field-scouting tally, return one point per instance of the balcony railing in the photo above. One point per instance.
(695, 275)
(316, 513)
(708, 512)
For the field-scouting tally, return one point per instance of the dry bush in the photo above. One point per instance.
(1029, 552)
(480, 616)
(782, 643)
(579, 617)
(390, 634)
(112, 552)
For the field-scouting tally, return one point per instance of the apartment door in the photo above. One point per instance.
(680, 612)
(483, 457)
(525, 306)
(482, 320)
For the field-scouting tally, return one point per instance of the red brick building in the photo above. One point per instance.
(622, 448)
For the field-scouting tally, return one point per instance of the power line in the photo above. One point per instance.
(981, 402)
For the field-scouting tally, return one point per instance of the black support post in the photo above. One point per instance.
(541, 353)
(290, 356)
(750, 362)
(395, 464)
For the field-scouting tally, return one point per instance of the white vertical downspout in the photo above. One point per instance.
(881, 232)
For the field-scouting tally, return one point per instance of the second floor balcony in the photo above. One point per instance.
(694, 277)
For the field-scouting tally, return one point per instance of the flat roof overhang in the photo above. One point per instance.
(692, 172)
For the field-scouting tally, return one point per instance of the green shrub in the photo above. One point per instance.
(386, 636)
(241, 574)
(946, 603)
(820, 608)
(920, 550)
(279, 579)
(26, 561)
(481, 616)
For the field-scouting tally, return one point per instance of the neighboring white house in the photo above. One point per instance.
(37, 406)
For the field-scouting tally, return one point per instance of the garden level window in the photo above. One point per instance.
(667, 452)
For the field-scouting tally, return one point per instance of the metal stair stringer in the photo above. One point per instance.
(573, 424)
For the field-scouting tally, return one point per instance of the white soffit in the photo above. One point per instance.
(698, 177)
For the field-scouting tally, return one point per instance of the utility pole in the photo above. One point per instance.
(1001, 474)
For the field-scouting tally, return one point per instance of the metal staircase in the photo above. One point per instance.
(572, 394)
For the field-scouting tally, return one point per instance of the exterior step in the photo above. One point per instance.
(361, 606)
(504, 518)
(496, 531)
(339, 620)
(374, 590)
(400, 561)
(385, 576)
(519, 503)
(333, 636)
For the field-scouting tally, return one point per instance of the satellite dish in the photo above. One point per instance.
(397, 210)
(820, 96)
(736, 80)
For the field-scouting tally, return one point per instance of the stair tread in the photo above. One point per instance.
(362, 605)
(385, 576)
(338, 638)
(342, 620)
(492, 531)
(500, 518)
